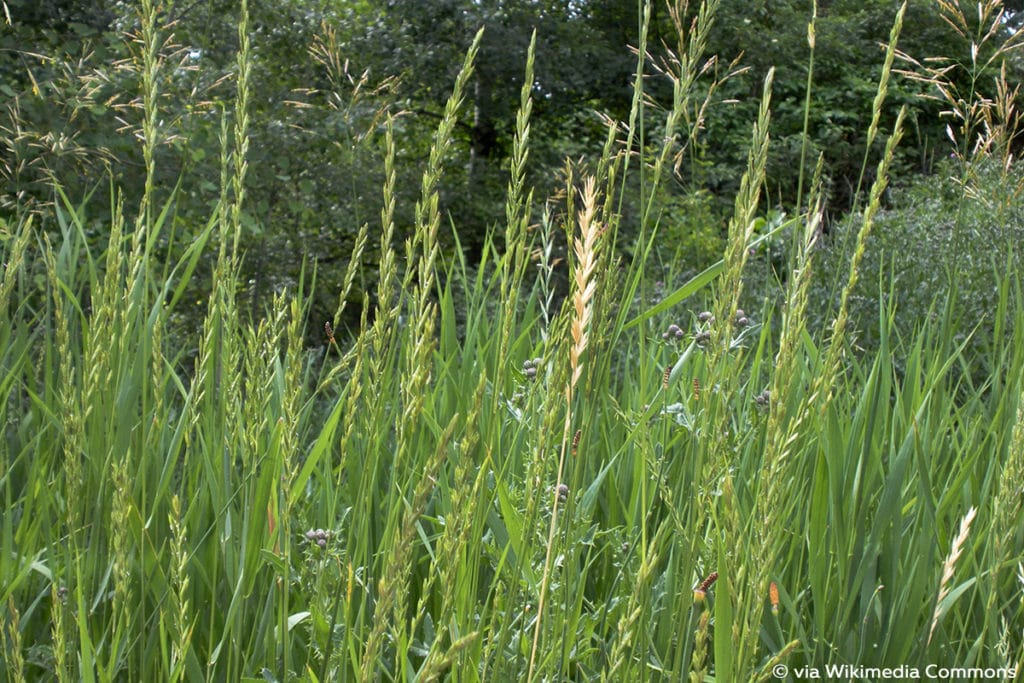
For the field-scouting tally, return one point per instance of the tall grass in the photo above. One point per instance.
(610, 490)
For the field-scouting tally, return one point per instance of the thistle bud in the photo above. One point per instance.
(563, 493)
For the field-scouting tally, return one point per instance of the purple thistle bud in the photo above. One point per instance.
(563, 492)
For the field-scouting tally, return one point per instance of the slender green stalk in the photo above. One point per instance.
(881, 93)
(413, 381)
(831, 366)
(805, 137)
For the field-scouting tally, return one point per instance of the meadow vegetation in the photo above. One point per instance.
(809, 453)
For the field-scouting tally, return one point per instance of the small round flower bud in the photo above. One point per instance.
(705, 316)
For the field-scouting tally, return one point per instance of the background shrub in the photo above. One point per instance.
(946, 241)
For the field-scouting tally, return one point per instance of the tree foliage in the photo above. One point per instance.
(326, 75)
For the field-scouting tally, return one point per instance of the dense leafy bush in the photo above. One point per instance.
(946, 241)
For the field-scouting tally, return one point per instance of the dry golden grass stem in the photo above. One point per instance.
(585, 286)
(949, 566)
(585, 248)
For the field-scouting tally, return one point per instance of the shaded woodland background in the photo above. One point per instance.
(327, 74)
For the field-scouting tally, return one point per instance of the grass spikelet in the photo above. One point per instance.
(151, 112)
(428, 220)
(626, 631)
(428, 213)
(394, 583)
(519, 198)
(414, 379)
(122, 509)
(1007, 515)
(11, 636)
(741, 225)
(388, 308)
(182, 623)
(683, 67)
(59, 628)
(585, 246)
(948, 568)
(882, 91)
(15, 259)
(731, 536)
(772, 509)
(240, 155)
(353, 268)
(518, 204)
(768, 670)
(986, 48)
(447, 567)
(585, 285)
(830, 370)
(698, 663)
